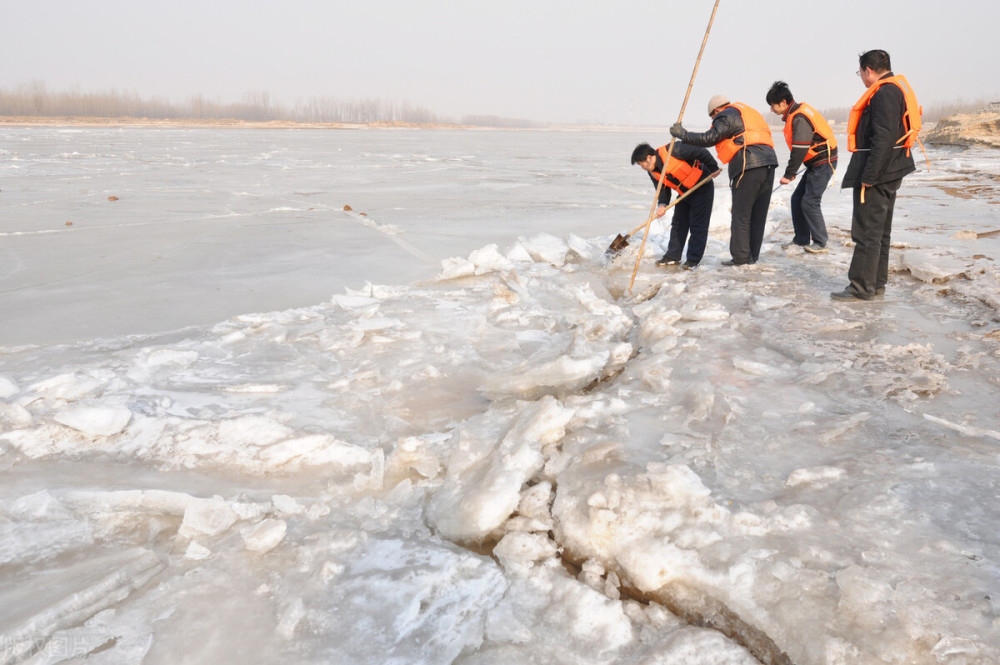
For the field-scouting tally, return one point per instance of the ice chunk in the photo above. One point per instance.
(154, 360)
(70, 386)
(485, 483)
(406, 602)
(209, 517)
(53, 601)
(757, 368)
(518, 552)
(518, 252)
(95, 420)
(7, 387)
(26, 542)
(14, 416)
(410, 454)
(817, 476)
(657, 326)
(374, 324)
(930, 266)
(564, 374)
(581, 247)
(287, 505)
(546, 248)
(866, 596)
(313, 450)
(489, 259)
(251, 431)
(535, 502)
(264, 536)
(565, 620)
(456, 267)
(159, 502)
(292, 615)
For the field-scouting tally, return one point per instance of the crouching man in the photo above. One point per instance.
(686, 167)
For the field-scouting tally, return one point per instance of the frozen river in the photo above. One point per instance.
(239, 423)
(212, 223)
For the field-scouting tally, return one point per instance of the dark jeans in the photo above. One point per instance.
(871, 226)
(692, 215)
(751, 198)
(807, 216)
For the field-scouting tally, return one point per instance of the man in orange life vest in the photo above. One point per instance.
(742, 139)
(687, 166)
(880, 132)
(811, 142)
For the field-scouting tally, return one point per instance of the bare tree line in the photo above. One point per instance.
(33, 99)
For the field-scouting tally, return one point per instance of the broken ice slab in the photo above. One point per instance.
(931, 266)
(53, 600)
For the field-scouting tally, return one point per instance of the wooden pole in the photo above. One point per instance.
(670, 150)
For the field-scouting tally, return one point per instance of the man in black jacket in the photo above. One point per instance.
(693, 214)
(743, 140)
(878, 165)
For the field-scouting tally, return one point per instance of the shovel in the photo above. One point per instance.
(621, 242)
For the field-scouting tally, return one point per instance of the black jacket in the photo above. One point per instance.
(726, 124)
(686, 153)
(879, 159)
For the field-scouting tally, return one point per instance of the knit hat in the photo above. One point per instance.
(716, 101)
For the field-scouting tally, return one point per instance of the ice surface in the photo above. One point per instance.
(448, 432)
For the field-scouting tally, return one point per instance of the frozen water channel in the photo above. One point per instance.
(239, 423)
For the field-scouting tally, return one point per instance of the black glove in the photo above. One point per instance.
(678, 131)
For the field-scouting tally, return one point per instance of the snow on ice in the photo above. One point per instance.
(521, 460)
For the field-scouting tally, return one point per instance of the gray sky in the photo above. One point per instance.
(623, 62)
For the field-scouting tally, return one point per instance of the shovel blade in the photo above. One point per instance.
(618, 244)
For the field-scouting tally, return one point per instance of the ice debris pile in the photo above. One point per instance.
(520, 461)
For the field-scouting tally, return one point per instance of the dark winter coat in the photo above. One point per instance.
(689, 154)
(879, 159)
(726, 124)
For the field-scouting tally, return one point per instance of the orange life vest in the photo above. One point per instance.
(911, 115)
(820, 126)
(755, 132)
(680, 175)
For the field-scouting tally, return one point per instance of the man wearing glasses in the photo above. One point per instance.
(882, 128)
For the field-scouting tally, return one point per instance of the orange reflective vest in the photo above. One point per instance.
(680, 175)
(911, 115)
(755, 131)
(820, 126)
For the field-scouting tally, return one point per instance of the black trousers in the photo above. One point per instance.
(871, 226)
(751, 198)
(692, 215)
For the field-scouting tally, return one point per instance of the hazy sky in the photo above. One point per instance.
(546, 60)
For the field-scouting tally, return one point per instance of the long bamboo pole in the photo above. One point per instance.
(670, 150)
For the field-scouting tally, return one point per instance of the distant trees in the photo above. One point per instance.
(34, 99)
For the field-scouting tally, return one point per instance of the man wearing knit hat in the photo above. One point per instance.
(743, 140)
